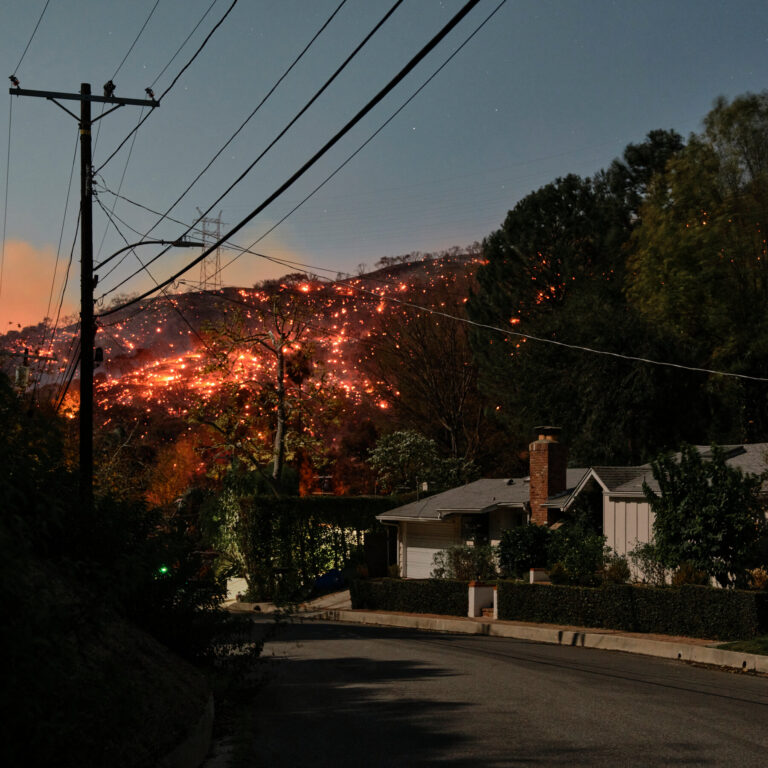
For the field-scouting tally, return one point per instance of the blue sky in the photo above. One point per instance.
(546, 88)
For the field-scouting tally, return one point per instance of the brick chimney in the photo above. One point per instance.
(548, 460)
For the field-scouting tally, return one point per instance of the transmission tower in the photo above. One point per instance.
(210, 266)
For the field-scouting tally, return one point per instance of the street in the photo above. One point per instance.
(348, 695)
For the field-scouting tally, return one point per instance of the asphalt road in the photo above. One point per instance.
(348, 695)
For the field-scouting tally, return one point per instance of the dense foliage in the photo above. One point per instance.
(698, 264)
(662, 256)
(689, 611)
(440, 596)
(707, 515)
(574, 552)
(522, 548)
(555, 270)
(465, 563)
(406, 459)
(82, 588)
(283, 544)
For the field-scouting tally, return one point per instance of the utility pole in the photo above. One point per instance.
(87, 278)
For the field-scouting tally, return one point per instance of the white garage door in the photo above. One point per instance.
(423, 541)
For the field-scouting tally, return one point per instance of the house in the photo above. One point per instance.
(480, 511)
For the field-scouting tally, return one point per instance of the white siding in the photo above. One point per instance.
(626, 523)
(422, 541)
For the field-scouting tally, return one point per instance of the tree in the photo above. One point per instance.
(404, 460)
(555, 270)
(278, 323)
(706, 515)
(698, 262)
(422, 366)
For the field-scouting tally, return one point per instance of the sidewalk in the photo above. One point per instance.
(337, 607)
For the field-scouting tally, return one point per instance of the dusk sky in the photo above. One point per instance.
(545, 88)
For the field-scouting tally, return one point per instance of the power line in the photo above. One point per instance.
(164, 292)
(371, 137)
(186, 40)
(250, 116)
(136, 39)
(5, 206)
(120, 185)
(65, 386)
(173, 82)
(401, 75)
(29, 42)
(521, 335)
(287, 127)
(42, 364)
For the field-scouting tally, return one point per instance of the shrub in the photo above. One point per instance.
(707, 513)
(558, 574)
(688, 610)
(393, 571)
(465, 563)
(688, 574)
(645, 557)
(579, 552)
(441, 596)
(522, 548)
(758, 578)
(616, 569)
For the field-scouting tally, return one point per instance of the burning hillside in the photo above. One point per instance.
(168, 353)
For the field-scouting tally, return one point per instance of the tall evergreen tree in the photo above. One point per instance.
(555, 270)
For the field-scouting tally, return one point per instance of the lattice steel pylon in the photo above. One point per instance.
(210, 266)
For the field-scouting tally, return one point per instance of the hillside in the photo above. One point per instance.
(156, 354)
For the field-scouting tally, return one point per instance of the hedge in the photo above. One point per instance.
(719, 614)
(442, 596)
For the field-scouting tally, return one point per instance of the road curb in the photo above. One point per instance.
(668, 649)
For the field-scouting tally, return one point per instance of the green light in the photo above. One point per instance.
(163, 569)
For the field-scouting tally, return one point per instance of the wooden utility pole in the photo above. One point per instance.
(87, 281)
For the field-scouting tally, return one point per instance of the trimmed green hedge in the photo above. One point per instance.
(442, 596)
(720, 614)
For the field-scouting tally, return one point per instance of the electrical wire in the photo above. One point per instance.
(62, 374)
(5, 206)
(285, 129)
(164, 292)
(65, 387)
(29, 42)
(61, 231)
(119, 186)
(136, 39)
(186, 40)
(369, 139)
(245, 122)
(119, 67)
(42, 364)
(173, 82)
(383, 92)
(521, 335)
(66, 280)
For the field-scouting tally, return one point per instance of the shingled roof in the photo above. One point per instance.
(489, 493)
(475, 498)
(750, 458)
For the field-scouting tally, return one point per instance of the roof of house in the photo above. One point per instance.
(487, 494)
(749, 457)
(476, 498)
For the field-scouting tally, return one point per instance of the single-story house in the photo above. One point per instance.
(481, 510)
